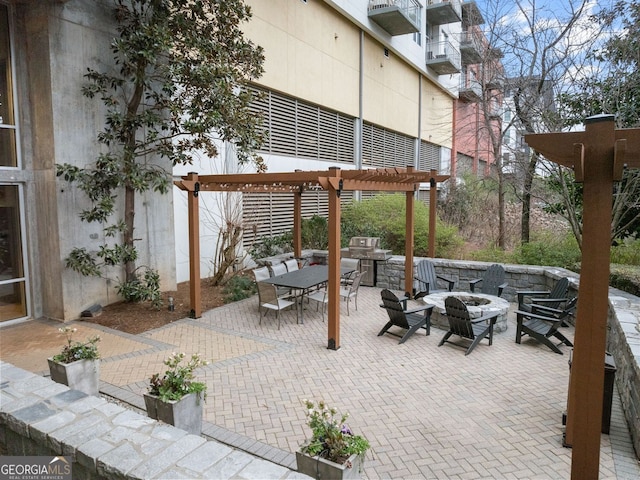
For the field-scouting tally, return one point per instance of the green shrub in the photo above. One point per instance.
(492, 254)
(627, 253)
(269, 246)
(142, 289)
(384, 216)
(238, 287)
(625, 278)
(549, 249)
(315, 233)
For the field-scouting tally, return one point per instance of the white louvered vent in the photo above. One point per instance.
(301, 129)
(429, 156)
(271, 214)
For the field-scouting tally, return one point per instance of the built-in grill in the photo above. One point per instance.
(368, 251)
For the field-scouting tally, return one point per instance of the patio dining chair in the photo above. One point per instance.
(321, 297)
(353, 264)
(347, 292)
(291, 264)
(462, 325)
(269, 300)
(281, 269)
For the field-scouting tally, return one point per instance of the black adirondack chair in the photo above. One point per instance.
(492, 281)
(427, 280)
(554, 298)
(462, 325)
(399, 316)
(542, 323)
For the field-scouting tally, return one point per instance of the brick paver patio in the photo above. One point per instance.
(428, 411)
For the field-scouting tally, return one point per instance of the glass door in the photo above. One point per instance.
(13, 280)
(13, 304)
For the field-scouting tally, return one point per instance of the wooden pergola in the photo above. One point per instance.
(598, 157)
(335, 181)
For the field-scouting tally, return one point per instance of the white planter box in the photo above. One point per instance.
(83, 375)
(320, 468)
(185, 413)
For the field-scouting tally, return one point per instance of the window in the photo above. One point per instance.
(8, 148)
(13, 280)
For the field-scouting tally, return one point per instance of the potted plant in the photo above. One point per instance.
(175, 397)
(78, 365)
(333, 450)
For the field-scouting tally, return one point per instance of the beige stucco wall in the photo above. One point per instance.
(310, 52)
(313, 52)
(437, 115)
(390, 90)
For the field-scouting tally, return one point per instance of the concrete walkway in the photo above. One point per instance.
(428, 411)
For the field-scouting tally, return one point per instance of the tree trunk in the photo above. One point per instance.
(526, 199)
(129, 216)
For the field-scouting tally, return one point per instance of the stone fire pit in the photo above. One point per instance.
(478, 305)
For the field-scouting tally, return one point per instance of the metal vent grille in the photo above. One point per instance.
(385, 148)
(429, 157)
(271, 214)
(298, 128)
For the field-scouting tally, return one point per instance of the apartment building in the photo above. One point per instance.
(348, 83)
(353, 84)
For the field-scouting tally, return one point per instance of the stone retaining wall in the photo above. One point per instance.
(106, 441)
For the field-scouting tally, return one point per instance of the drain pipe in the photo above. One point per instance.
(357, 195)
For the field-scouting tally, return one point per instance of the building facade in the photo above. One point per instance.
(347, 83)
(46, 48)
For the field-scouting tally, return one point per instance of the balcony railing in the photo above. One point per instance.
(471, 14)
(397, 17)
(470, 89)
(441, 12)
(470, 47)
(443, 58)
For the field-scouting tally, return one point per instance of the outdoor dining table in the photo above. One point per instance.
(305, 279)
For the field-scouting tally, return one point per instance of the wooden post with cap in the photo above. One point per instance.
(597, 156)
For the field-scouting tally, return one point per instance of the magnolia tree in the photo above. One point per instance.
(178, 84)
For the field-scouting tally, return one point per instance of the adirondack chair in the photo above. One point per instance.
(492, 281)
(462, 325)
(399, 316)
(554, 298)
(543, 323)
(427, 280)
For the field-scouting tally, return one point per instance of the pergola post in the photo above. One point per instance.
(194, 245)
(297, 224)
(587, 376)
(333, 286)
(409, 240)
(433, 200)
(598, 158)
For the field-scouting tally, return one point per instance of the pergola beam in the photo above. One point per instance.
(335, 181)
